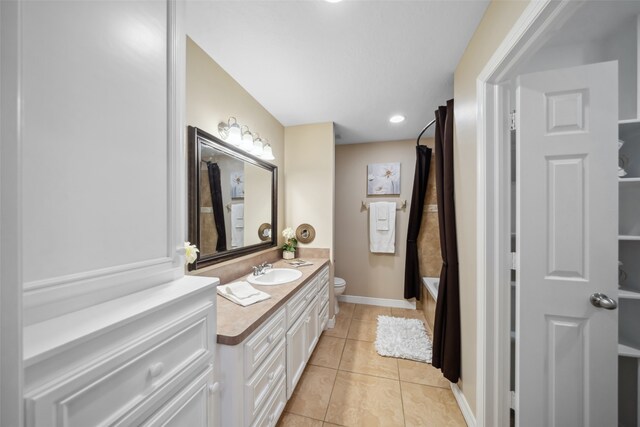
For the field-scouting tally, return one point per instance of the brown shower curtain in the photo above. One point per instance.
(412, 279)
(446, 334)
(218, 208)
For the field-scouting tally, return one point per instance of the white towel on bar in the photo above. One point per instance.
(382, 241)
(237, 225)
(382, 217)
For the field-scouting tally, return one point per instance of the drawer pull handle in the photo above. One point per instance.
(214, 388)
(272, 337)
(156, 369)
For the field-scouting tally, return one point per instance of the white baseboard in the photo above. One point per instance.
(382, 302)
(467, 413)
(331, 323)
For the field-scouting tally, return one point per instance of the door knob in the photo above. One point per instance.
(602, 301)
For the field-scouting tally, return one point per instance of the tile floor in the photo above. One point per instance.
(346, 383)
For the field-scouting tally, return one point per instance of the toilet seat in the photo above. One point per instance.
(339, 282)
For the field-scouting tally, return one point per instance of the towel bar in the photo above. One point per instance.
(403, 205)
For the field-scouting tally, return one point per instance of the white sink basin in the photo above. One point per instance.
(275, 276)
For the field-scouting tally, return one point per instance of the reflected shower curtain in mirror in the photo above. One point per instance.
(218, 206)
(446, 333)
(412, 279)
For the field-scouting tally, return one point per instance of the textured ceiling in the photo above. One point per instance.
(355, 63)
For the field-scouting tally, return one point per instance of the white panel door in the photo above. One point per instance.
(566, 223)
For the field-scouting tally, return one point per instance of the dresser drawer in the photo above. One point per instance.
(271, 413)
(297, 304)
(262, 341)
(126, 380)
(259, 387)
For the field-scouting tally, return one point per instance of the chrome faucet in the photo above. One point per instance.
(261, 269)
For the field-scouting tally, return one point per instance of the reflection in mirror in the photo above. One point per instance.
(231, 199)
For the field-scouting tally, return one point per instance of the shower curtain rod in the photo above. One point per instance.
(424, 130)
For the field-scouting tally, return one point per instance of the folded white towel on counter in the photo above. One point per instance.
(242, 293)
(382, 240)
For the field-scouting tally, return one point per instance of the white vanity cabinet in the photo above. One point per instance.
(125, 362)
(258, 375)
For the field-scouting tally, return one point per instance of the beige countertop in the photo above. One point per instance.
(235, 323)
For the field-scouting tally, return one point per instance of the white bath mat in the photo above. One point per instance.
(404, 338)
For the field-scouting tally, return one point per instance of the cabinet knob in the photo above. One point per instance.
(272, 376)
(214, 388)
(156, 369)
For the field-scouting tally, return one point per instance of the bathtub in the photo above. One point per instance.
(430, 298)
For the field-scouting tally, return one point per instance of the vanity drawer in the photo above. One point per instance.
(323, 318)
(323, 277)
(126, 381)
(297, 304)
(192, 406)
(262, 341)
(259, 388)
(323, 295)
(271, 413)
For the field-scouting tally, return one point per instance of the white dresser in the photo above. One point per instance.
(258, 375)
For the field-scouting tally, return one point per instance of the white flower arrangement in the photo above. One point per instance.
(191, 252)
(292, 242)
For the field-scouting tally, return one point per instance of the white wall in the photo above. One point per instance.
(496, 23)
(95, 141)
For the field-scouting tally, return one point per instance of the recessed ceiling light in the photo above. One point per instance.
(396, 119)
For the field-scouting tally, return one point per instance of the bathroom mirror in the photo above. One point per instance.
(232, 200)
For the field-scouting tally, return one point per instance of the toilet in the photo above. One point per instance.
(339, 284)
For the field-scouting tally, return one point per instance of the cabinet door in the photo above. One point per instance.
(311, 324)
(296, 353)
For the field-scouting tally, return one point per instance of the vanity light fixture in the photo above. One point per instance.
(230, 131)
(247, 139)
(397, 119)
(258, 146)
(240, 136)
(267, 152)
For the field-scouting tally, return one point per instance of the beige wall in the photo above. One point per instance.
(496, 23)
(378, 275)
(309, 180)
(213, 96)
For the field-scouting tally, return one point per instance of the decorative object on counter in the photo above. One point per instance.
(623, 161)
(190, 252)
(242, 293)
(299, 263)
(305, 233)
(264, 231)
(241, 137)
(289, 247)
(383, 178)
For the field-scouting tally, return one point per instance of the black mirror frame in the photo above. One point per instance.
(195, 137)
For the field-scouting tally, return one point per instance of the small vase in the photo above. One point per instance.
(288, 254)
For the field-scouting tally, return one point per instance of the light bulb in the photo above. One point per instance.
(267, 152)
